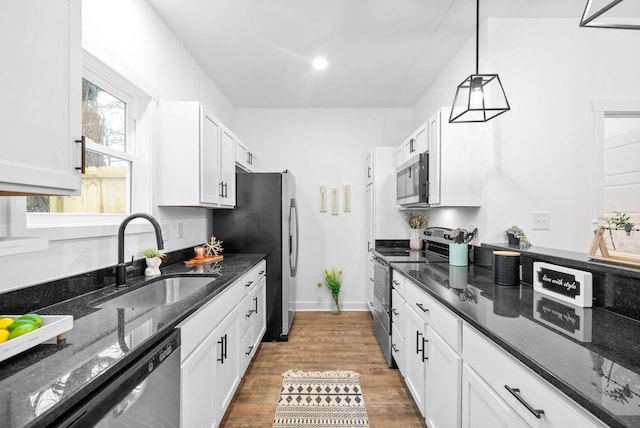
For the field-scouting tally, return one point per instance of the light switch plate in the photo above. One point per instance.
(541, 221)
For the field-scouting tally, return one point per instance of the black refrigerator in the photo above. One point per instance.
(265, 220)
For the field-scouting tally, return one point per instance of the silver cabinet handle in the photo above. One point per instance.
(421, 306)
(516, 393)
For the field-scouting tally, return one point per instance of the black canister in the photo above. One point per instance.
(506, 267)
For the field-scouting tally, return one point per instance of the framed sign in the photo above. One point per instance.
(566, 284)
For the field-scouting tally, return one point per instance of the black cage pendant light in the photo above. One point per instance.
(479, 97)
(612, 14)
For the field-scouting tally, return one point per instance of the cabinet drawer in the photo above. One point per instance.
(195, 328)
(499, 370)
(440, 318)
(398, 283)
(251, 279)
(398, 348)
(397, 310)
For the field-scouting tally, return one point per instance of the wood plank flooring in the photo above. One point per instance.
(320, 341)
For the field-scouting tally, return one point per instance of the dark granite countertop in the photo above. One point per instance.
(42, 383)
(590, 354)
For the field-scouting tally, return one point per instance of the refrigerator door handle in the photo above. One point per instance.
(293, 255)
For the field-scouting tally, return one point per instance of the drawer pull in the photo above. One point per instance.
(396, 313)
(516, 393)
(261, 272)
(394, 348)
(249, 351)
(371, 279)
(248, 284)
(421, 306)
(395, 282)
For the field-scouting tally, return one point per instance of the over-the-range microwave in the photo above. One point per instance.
(413, 182)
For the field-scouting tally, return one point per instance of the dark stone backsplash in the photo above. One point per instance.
(39, 296)
(616, 288)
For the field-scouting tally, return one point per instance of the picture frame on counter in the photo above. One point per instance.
(569, 285)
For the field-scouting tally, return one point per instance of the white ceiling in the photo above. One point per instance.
(381, 53)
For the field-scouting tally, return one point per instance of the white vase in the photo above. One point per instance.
(415, 240)
(153, 266)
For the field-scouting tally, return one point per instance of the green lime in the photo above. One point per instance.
(18, 323)
(22, 329)
(34, 317)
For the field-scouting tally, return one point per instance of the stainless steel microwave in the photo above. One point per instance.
(413, 182)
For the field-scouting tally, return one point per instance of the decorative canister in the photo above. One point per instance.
(459, 254)
(506, 267)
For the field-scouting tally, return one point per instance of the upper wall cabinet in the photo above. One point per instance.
(195, 158)
(40, 101)
(245, 158)
(455, 151)
(414, 145)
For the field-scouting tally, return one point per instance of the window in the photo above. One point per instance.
(106, 182)
(117, 123)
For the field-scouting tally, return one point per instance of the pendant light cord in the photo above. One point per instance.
(477, 33)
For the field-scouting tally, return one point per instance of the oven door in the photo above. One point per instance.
(382, 291)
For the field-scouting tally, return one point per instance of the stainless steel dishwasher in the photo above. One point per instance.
(145, 394)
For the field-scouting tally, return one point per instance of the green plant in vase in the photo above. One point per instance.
(333, 281)
(519, 235)
(620, 221)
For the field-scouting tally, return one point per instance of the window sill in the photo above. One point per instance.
(84, 231)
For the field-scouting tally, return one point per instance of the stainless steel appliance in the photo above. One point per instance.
(265, 220)
(413, 182)
(437, 250)
(145, 393)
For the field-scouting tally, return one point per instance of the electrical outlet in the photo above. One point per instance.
(541, 221)
(165, 232)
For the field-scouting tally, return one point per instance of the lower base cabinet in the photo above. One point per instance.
(416, 359)
(213, 354)
(442, 399)
(482, 407)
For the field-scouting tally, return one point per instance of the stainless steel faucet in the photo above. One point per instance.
(121, 267)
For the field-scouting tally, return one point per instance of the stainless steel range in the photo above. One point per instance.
(436, 251)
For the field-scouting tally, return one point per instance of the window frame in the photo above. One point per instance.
(141, 105)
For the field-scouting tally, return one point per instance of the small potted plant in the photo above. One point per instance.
(154, 259)
(516, 236)
(417, 223)
(333, 281)
(619, 221)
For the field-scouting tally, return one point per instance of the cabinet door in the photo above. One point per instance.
(227, 168)
(416, 357)
(227, 363)
(196, 386)
(40, 83)
(421, 143)
(443, 401)
(400, 155)
(259, 318)
(211, 187)
(482, 407)
(433, 128)
(369, 169)
(242, 155)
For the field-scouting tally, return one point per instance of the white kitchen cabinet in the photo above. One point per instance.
(369, 169)
(398, 322)
(40, 105)
(417, 143)
(195, 158)
(455, 159)
(226, 372)
(227, 168)
(212, 353)
(416, 349)
(500, 372)
(443, 403)
(197, 384)
(482, 407)
(246, 159)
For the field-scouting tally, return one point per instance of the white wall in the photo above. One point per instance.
(325, 146)
(130, 36)
(540, 155)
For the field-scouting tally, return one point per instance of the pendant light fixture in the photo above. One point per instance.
(479, 97)
(611, 14)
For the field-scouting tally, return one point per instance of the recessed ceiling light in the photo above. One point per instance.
(320, 63)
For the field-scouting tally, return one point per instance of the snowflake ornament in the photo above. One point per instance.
(213, 247)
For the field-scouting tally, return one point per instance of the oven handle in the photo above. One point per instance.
(108, 396)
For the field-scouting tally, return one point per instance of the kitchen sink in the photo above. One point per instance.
(160, 292)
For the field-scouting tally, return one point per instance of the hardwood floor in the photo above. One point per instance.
(320, 341)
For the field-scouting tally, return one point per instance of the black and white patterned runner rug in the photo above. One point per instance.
(321, 400)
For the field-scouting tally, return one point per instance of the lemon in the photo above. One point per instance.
(34, 317)
(4, 335)
(22, 329)
(19, 322)
(4, 322)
